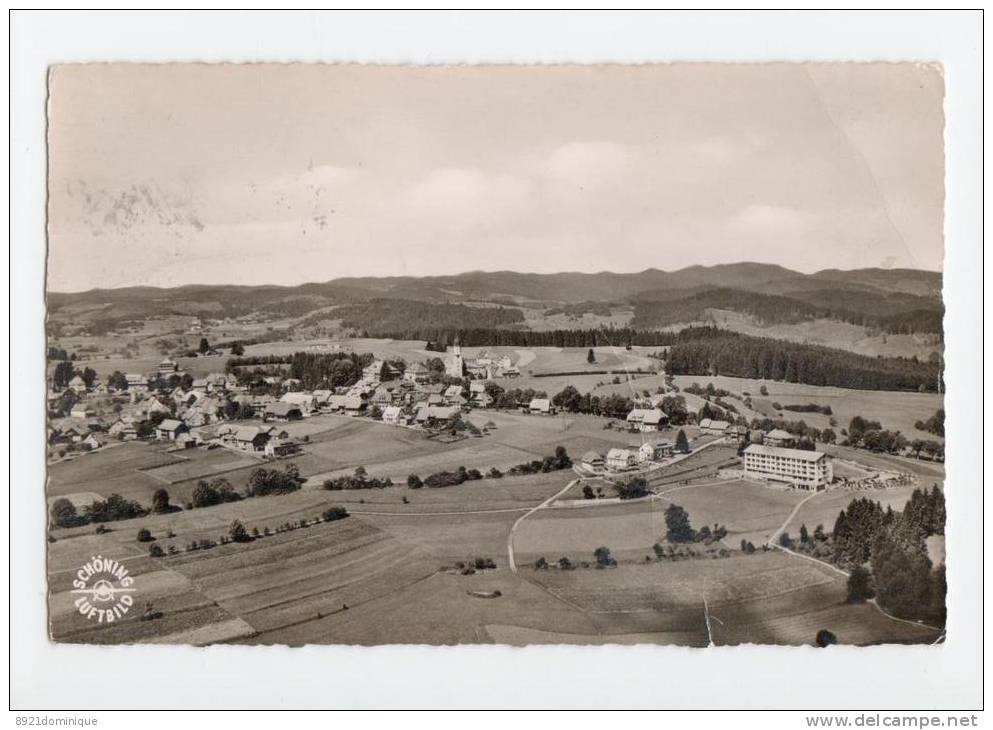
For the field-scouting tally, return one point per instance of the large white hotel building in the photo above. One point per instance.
(809, 470)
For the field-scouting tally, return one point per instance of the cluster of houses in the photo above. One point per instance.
(624, 459)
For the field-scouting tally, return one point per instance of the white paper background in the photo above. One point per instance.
(46, 676)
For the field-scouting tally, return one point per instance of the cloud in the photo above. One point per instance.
(463, 199)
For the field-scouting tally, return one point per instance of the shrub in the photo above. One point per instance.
(64, 513)
(334, 513)
(238, 533)
(115, 507)
(414, 481)
(144, 535)
(156, 551)
(495, 473)
(604, 558)
(566, 564)
(160, 502)
(541, 564)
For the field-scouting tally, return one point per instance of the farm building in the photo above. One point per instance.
(305, 401)
(435, 414)
(167, 367)
(354, 404)
(122, 429)
(251, 438)
(593, 460)
(452, 392)
(282, 412)
(169, 429)
(81, 410)
(714, 427)
(541, 406)
(779, 438)
(647, 419)
(201, 385)
(811, 470)
(77, 384)
(620, 459)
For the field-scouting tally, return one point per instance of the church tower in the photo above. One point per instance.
(455, 367)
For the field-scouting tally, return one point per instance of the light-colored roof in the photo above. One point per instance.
(646, 415)
(778, 433)
(591, 456)
(801, 454)
(391, 412)
(170, 424)
(616, 453)
(248, 433)
(715, 424)
(540, 404)
(282, 409)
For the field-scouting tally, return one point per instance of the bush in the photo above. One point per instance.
(64, 513)
(218, 491)
(484, 564)
(604, 558)
(264, 482)
(238, 533)
(115, 507)
(541, 564)
(495, 473)
(414, 482)
(156, 551)
(334, 513)
(144, 535)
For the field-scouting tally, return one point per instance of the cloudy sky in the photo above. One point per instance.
(251, 174)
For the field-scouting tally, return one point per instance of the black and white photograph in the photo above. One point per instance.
(565, 354)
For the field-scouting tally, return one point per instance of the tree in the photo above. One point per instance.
(237, 349)
(144, 535)
(785, 540)
(804, 535)
(590, 356)
(156, 551)
(238, 533)
(588, 492)
(604, 558)
(160, 502)
(677, 522)
(89, 376)
(64, 513)
(859, 585)
(117, 381)
(204, 347)
(763, 390)
(64, 372)
(682, 443)
(414, 481)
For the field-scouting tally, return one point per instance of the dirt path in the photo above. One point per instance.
(513, 528)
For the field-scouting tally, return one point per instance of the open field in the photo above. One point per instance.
(894, 410)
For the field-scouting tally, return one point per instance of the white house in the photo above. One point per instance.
(654, 451)
(621, 459)
(81, 410)
(392, 415)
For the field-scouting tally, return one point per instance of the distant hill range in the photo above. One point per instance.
(894, 300)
